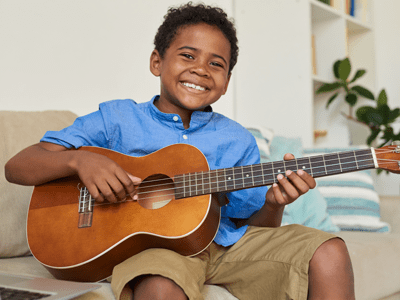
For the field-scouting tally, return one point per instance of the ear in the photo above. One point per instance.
(227, 83)
(155, 63)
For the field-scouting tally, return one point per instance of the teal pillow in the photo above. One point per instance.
(353, 203)
(309, 209)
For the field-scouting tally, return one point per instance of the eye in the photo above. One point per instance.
(187, 56)
(217, 64)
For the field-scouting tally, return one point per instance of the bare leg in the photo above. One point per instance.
(331, 272)
(155, 287)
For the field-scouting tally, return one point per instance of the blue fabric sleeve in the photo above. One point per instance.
(89, 130)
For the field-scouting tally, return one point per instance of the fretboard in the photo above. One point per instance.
(244, 177)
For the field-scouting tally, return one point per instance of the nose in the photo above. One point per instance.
(200, 67)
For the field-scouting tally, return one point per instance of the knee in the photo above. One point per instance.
(332, 257)
(156, 287)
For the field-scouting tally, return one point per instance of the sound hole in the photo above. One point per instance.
(156, 191)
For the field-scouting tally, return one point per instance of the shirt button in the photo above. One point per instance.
(185, 136)
(175, 118)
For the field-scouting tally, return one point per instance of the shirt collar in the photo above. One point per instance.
(198, 119)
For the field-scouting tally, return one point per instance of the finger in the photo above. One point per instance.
(298, 182)
(288, 187)
(129, 183)
(307, 178)
(117, 189)
(107, 192)
(279, 195)
(288, 156)
(94, 192)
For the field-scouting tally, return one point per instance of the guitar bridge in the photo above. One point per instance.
(86, 203)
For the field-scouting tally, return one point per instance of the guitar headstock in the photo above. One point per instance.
(388, 158)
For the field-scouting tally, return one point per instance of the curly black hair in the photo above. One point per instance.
(189, 14)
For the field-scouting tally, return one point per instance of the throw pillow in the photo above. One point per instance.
(263, 138)
(353, 203)
(310, 209)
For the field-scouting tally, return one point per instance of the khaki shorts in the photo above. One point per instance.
(266, 263)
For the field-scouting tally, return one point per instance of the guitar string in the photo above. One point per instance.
(172, 194)
(266, 167)
(262, 180)
(266, 164)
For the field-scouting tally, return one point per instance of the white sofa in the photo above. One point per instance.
(375, 256)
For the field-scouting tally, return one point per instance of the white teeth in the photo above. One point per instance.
(193, 86)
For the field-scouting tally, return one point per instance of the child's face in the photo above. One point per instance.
(194, 72)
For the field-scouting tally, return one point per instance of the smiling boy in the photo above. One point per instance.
(251, 256)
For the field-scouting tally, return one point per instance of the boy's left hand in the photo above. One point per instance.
(286, 191)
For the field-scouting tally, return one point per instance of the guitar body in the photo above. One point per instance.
(118, 231)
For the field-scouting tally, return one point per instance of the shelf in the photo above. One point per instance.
(356, 26)
(321, 12)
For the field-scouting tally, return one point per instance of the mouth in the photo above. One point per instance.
(194, 86)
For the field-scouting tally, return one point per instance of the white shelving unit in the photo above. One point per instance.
(338, 35)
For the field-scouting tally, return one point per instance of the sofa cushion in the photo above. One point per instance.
(376, 263)
(353, 203)
(19, 130)
(310, 209)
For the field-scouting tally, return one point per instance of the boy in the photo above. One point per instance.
(195, 52)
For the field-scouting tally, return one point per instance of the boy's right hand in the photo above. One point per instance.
(104, 178)
(44, 162)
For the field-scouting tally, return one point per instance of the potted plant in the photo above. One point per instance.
(378, 117)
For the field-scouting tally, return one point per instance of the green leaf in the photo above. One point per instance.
(328, 87)
(382, 98)
(359, 74)
(344, 69)
(369, 115)
(384, 112)
(336, 68)
(363, 92)
(351, 99)
(331, 99)
(394, 114)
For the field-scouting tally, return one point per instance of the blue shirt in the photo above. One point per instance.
(138, 129)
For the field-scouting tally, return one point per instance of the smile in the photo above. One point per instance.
(193, 86)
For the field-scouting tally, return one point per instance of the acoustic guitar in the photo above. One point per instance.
(80, 240)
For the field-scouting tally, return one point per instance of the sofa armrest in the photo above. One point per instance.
(390, 211)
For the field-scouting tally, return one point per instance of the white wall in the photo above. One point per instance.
(74, 54)
(387, 47)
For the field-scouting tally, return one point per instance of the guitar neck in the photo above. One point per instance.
(244, 177)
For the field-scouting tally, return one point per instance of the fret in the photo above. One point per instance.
(268, 173)
(291, 165)
(304, 164)
(355, 159)
(221, 180)
(364, 159)
(278, 168)
(238, 178)
(318, 166)
(340, 163)
(248, 177)
(213, 178)
(230, 183)
(206, 183)
(323, 159)
(192, 184)
(333, 164)
(311, 171)
(179, 187)
(348, 162)
(258, 175)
